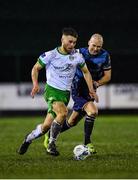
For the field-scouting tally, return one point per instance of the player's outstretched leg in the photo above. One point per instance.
(88, 128)
(24, 146)
(28, 139)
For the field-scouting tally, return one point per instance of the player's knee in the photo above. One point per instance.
(63, 113)
(60, 109)
(92, 113)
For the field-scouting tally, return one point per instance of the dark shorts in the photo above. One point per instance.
(80, 94)
(79, 102)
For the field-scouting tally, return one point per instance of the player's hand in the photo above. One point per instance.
(94, 95)
(35, 90)
(95, 85)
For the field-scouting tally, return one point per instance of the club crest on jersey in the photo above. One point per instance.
(71, 57)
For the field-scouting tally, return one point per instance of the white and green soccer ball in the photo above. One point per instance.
(81, 152)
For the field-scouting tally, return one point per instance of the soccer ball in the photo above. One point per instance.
(81, 152)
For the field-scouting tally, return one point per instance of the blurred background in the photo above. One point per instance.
(29, 28)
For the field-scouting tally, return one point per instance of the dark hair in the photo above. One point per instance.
(70, 31)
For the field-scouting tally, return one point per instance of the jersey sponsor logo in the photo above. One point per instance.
(65, 77)
(66, 68)
(69, 67)
(99, 60)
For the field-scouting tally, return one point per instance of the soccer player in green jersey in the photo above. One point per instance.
(60, 64)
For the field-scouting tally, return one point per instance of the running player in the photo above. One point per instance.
(60, 64)
(99, 65)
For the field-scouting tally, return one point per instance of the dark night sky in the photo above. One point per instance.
(30, 27)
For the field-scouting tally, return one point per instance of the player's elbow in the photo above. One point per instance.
(108, 77)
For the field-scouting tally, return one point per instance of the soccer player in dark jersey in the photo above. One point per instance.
(99, 65)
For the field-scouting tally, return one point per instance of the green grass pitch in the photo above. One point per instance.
(115, 138)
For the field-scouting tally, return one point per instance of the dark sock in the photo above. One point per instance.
(55, 130)
(65, 126)
(88, 127)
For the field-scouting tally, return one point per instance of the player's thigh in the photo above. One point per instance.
(90, 108)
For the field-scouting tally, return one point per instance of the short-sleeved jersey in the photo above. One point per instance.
(61, 68)
(96, 64)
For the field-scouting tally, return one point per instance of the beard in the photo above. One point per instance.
(68, 50)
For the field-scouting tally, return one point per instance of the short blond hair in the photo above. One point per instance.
(97, 36)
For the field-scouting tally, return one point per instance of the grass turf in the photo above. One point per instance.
(115, 138)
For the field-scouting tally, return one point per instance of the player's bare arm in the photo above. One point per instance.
(89, 81)
(34, 75)
(105, 79)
